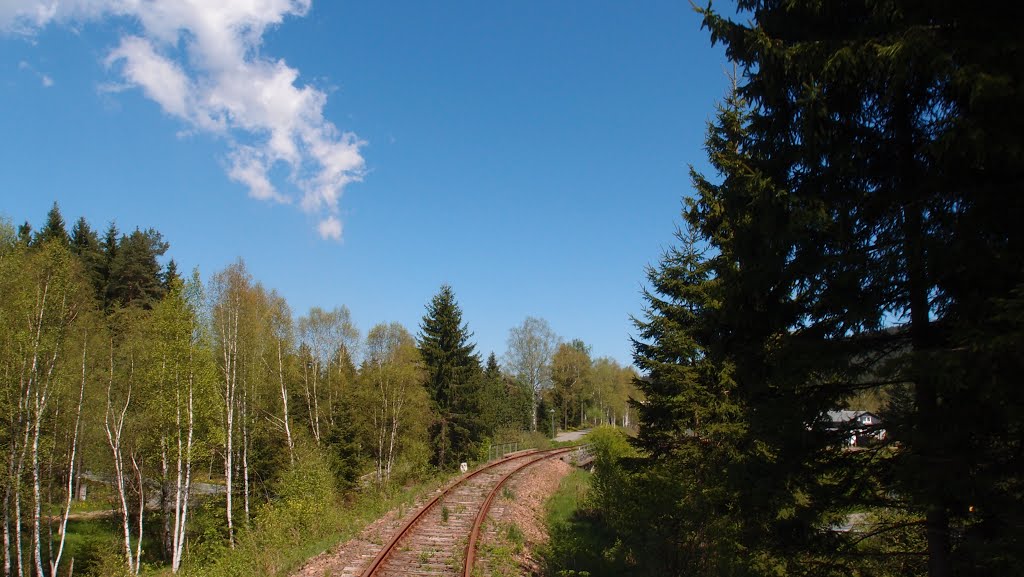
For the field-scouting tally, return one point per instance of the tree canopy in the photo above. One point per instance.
(859, 237)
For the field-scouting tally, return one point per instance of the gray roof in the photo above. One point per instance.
(848, 416)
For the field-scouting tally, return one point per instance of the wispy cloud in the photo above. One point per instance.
(200, 60)
(44, 79)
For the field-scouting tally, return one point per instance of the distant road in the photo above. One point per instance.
(571, 435)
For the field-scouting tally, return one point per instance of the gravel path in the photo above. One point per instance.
(571, 435)
(531, 488)
(521, 507)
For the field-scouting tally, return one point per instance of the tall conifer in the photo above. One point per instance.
(861, 238)
(54, 229)
(453, 377)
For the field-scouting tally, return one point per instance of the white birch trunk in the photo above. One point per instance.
(114, 431)
(182, 493)
(42, 398)
(7, 532)
(230, 346)
(284, 403)
(62, 533)
(245, 448)
(142, 510)
(316, 403)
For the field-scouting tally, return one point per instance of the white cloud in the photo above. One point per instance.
(330, 227)
(46, 80)
(160, 78)
(200, 61)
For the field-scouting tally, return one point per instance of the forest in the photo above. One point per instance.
(192, 414)
(857, 246)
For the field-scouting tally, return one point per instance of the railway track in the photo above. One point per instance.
(440, 540)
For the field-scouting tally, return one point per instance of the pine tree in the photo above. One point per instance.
(504, 403)
(25, 233)
(111, 239)
(694, 425)
(54, 229)
(170, 275)
(868, 182)
(135, 277)
(86, 246)
(453, 378)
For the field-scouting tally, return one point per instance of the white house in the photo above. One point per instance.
(860, 426)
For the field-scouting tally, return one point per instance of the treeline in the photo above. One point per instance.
(115, 367)
(861, 239)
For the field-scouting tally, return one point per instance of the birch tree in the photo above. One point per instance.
(44, 295)
(570, 373)
(391, 388)
(283, 333)
(185, 384)
(125, 394)
(530, 348)
(228, 292)
(323, 334)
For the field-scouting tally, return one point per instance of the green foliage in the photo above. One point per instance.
(528, 358)
(504, 403)
(390, 395)
(304, 512)
(54, 230)
(580, 541)
(135, 275)
(571, 380)
(861, 180)
(307, 518)
(453, 380)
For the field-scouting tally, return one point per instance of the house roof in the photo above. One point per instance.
(848, 416)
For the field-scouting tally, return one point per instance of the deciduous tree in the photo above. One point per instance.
(528, 357)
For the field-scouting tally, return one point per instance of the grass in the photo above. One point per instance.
(500, 553)
(579, 537)
(571, 493)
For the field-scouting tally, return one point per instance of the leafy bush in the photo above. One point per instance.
(305, 512)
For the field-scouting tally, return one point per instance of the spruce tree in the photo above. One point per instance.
(111, 239)
(25, 233)
(54, 229)
(453, 379)
(694, 424)
(861, 237)
(135, 277)
(86, 246)
(504, 403)
(170, 275)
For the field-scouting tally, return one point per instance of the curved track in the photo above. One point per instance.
(440, 539)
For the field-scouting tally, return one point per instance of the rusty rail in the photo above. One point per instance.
(386, 551)
(485, 509)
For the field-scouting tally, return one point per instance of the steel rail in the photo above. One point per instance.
(474, 535)
(390, 546)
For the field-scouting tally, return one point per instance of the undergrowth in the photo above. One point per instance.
(578, 535)
(307, 518)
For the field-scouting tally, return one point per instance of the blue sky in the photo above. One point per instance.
(532, 154)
